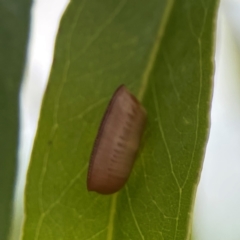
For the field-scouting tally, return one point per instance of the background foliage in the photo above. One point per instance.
(14, 27)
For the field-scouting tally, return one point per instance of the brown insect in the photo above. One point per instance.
(117, 143)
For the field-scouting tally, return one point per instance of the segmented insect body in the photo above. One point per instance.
(117, 143)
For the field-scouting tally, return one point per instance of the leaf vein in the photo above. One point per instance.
(155, 49)
(133, 214)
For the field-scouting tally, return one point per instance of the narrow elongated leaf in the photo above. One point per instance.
(14, 24)
(162, 51)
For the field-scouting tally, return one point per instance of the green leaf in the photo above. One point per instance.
(14, 26)
(163, 52)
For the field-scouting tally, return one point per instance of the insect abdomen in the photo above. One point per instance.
(117, 143)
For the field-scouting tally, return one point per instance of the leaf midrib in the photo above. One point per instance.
(140, 95)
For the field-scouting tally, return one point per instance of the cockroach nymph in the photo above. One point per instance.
(117, 143)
